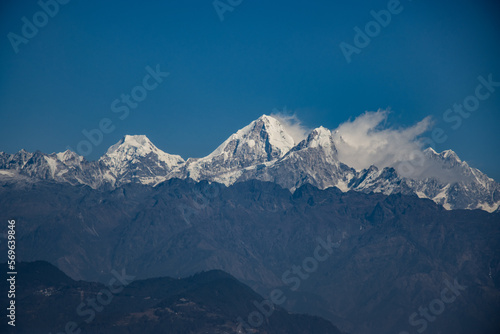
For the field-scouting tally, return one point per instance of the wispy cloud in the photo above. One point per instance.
(367, 141)
(292, 124)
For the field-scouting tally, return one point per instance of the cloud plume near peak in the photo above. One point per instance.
(365, 141)
(292, 124)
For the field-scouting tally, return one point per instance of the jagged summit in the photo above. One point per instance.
(263, 150)
(136, 158)
(446, 154)
(132, 147)
(277, 135)
(262, 141)
(449, 154)
(264, 136)
(139, 139)
(140, 143)
(68, 155)
(321, 137)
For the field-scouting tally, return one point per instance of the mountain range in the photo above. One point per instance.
(380, 258)
(263, 150)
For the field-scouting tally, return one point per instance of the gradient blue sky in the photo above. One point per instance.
(223, 75)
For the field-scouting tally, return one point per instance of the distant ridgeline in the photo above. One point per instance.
(264, 150)
(365, 262)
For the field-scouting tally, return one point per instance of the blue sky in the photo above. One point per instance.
(224, 74)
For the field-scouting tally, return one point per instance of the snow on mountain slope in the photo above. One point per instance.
(14, 161)
(441, 177)
(262, 141)
(451, 182)
(66, 167)
(136, 159)
(314, 161)
(263, 150)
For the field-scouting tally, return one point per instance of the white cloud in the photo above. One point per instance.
(292, 124)
(366, 141)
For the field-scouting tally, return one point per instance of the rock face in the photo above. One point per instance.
(263, 150)
(136, 159)
(313, 161)
(64, 167)
(370, 250)
(261, 142)
(382, 256)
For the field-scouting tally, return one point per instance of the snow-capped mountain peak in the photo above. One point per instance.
(137, 158)
(264, 150)
(266, 131)
(278, 137)
(449, 154)
(320, 137)
(129, 148)
(430, 151)
(138, 144)
(261, 142)
(69, 157)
